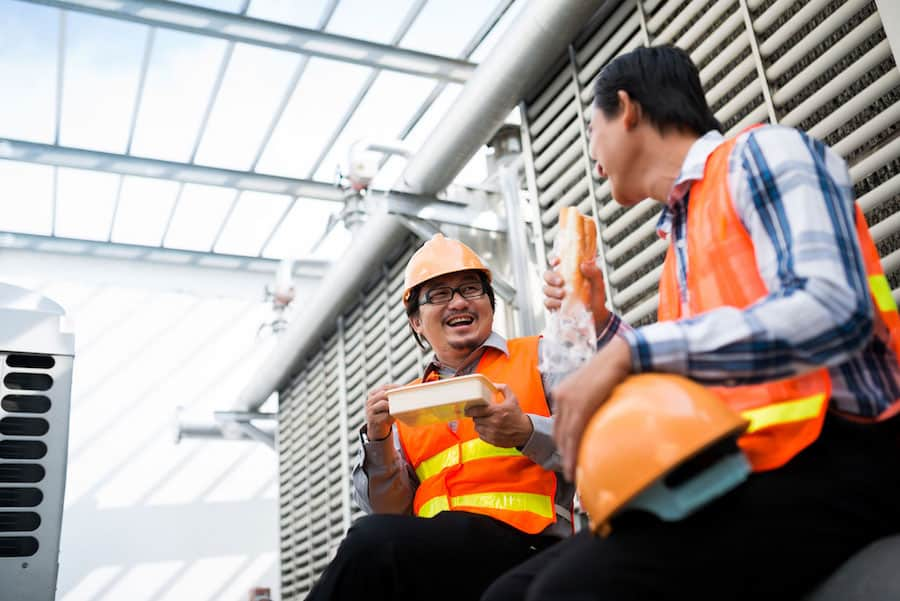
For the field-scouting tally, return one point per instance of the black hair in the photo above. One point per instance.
(664, 82)
(412, 307)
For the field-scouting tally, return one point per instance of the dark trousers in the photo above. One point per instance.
(454, 555)
(774, 537)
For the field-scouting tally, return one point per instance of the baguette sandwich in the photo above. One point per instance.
(577, 243)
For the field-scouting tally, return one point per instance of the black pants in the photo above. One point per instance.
(454, 555)
(774, 537)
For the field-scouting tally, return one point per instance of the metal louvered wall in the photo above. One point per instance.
(825, 66)
(320, 414)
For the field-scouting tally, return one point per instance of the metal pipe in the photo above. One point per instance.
(538, 36)
(532, 44)
(518, 249)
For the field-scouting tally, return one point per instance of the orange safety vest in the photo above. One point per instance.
(785, 415)
(460, 472)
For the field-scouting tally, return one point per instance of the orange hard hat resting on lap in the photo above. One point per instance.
(440, 256)
(661, 443)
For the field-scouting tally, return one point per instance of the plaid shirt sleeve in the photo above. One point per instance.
(795, 198)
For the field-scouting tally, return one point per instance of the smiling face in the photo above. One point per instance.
(457, 328)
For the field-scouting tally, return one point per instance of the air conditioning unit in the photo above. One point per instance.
(36, 354)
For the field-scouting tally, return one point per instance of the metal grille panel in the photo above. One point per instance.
(823, 66)
(320, 414)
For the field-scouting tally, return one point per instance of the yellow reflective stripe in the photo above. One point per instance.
(541, 505)
(478, 449)
(434, 464)
(471, 450)
(785, 412)
(881, 290)
(434, 506)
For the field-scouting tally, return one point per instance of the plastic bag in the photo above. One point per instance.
(569, 337)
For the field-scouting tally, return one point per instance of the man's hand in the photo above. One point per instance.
(502, 424)
(554, 291)
(378, 416)
(580, 394)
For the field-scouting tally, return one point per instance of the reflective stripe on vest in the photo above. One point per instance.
(784, 412)
(881, 292)
(471, 450)
(506, 501)
(459, 471)
(786, 415)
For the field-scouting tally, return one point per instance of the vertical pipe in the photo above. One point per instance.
(537, 225)
(518, 249)
(344, 429)
(586, 159)
(889, 11)
(757, 60)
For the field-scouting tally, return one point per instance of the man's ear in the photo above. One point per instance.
(415, 323)
(631, 110)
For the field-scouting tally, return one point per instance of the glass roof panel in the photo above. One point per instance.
(446, 26)
(381, 116)
(180, 78)
(26, 198)
(28, 51)
(254, 85)
(334, 245)
(144, 208)
(433, 116)
(301, 14)
(497, 32)
(303, 226)
(103, 63)
(360, 19)
(199, 216)
(319, 102)
(388, 174)
(231, 6)
(251, 223)
(84, 203)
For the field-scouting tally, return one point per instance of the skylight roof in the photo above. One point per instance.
(108, 91)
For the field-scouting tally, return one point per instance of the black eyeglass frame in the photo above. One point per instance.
(425, 299)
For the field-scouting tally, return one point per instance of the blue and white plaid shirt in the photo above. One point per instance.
(795, 197)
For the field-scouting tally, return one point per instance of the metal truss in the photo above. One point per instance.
(307, 269)
(248, 30)
(78, 158)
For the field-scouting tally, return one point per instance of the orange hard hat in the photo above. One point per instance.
(661, 443)
(439, 256)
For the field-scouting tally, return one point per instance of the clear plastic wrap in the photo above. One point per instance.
(569, 337)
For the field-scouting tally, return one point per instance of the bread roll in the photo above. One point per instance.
(577, 244)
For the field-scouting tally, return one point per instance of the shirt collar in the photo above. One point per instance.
(495, 341)
(691, 170)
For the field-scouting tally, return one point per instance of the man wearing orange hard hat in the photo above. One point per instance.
(772, 295)
(455, 505)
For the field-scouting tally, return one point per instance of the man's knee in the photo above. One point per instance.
(370, 533)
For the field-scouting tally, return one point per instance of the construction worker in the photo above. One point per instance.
(772, 293)
(455, 505)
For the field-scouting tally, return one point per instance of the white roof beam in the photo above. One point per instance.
(78, 158)
(248, 30)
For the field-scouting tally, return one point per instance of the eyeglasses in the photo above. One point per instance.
(444, 294)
